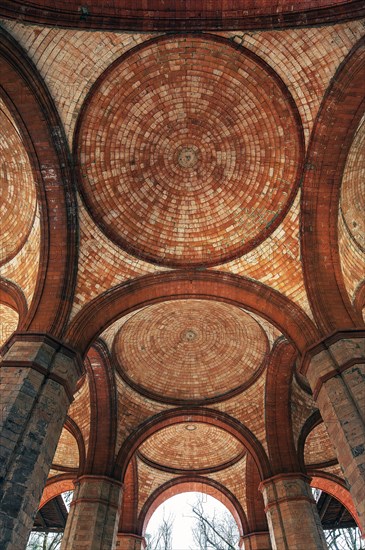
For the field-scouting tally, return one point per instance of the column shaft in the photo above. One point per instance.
(128, 541)
(256, 541)
(38, 377)
(93, 520)
(292, 513)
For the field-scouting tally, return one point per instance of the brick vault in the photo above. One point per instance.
(182, 264)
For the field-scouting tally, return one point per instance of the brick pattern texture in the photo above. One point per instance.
(94, 514)
(292, 514)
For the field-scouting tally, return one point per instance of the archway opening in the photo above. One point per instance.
(192, 520)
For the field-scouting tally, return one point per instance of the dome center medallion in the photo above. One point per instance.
(188, 157)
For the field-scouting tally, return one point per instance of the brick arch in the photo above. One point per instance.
(75, 431)
(187, 484)
(192, 414)
(210, 285)
(29, 101)
(129, 511)
(12, 296)
(279, 433)
(342, 108)
(56, 486)
(359, 301)
(232, 14)
(103, 403)
(312, 422)
(336, 488)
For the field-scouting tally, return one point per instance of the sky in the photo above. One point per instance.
(180, 507)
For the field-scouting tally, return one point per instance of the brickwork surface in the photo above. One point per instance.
(256, 541)
(94, 514)
(185, 210)
(292, 514)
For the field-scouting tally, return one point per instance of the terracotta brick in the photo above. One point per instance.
(292, 514)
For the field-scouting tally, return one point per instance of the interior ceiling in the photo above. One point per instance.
(188, 154)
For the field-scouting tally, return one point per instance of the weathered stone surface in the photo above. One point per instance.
(37, 378)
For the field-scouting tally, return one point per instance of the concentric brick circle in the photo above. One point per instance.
(190, 350)
(17, 189)
(192, 446)
(189, 151)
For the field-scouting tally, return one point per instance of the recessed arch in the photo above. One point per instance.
(185, 484)
(210, 285)
(342, 108)
(12, 296)
(197, 414)
(103, 410)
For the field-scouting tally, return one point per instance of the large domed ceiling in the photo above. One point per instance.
(189, 151)
(190, 350)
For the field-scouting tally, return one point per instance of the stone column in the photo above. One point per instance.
(335, 369)
(256, 541)
(292, 514)
(92, 523)
(38, 379)
(128, 541)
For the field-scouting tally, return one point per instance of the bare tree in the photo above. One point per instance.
(214, 531)
(162, 540)
(344, 539)
(44, 541)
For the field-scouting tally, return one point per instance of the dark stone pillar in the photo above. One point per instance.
(38, 379)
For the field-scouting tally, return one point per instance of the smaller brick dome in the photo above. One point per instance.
(190, 349)
(192, 446)
(8, 322)
(17, 189)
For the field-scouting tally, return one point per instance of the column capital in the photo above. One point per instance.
(257, 540)
(284, 477)
(98, 489)
(94, 478)
(130, 541)
(94, 513)
(332, 356)
(283, 488)
(43, 353)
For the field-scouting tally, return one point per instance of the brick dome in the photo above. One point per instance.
(17, 189)
(191, 350)
(210, 165)
(192, 446)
